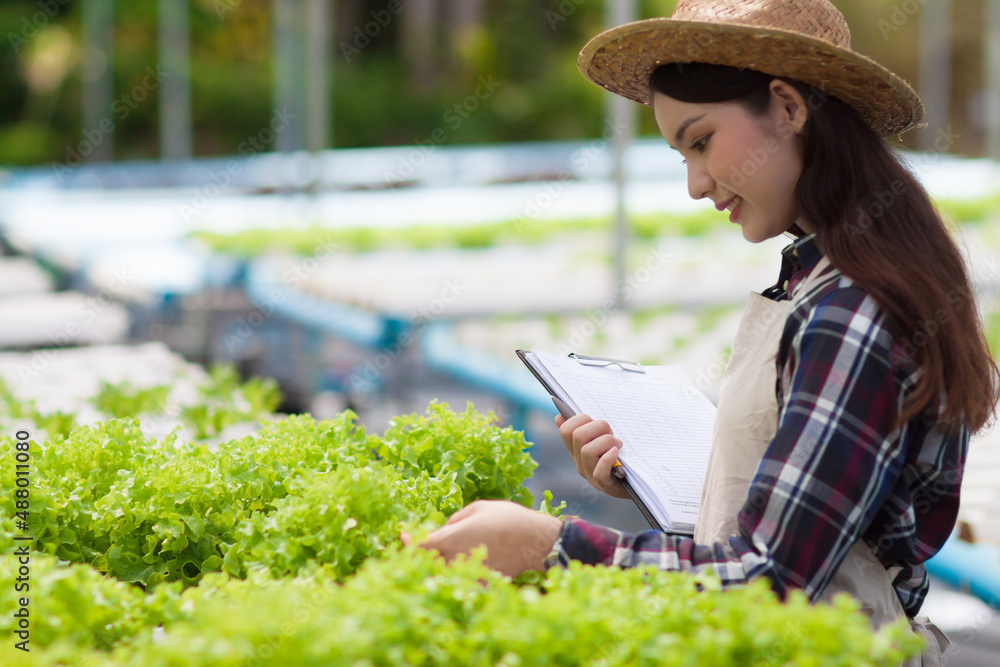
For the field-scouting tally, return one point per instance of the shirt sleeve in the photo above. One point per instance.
(835, 456)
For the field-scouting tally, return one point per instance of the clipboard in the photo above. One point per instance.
(618, 470)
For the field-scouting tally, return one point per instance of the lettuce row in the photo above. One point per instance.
(282, 549)
(149, 511)
(411, 608)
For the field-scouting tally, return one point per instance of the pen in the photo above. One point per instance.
(564, 409)
(617, 469)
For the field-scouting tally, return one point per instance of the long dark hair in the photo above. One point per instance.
(876, 223)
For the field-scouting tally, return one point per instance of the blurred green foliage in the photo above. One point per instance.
(256, 242)
(647, 227)
(527, 47)
(983, 209)
(379, 94)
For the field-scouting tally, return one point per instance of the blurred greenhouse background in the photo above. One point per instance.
(373, 203)
(180, 78)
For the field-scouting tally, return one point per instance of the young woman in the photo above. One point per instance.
(854, 383)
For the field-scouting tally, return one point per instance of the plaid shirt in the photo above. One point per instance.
(838, 468)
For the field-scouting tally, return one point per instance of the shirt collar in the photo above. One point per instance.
(797, 260)
(803, 254)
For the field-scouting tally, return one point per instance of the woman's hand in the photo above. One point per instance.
(516, 538)
(594, 449)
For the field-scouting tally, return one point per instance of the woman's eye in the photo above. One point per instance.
(699, 146)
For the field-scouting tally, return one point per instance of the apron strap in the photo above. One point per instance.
(800, 289)
(937, 642)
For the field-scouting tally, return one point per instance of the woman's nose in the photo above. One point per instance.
(699, 182)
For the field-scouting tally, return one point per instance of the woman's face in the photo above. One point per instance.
(746, 164)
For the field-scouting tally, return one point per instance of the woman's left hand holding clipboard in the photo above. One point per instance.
(594, 449)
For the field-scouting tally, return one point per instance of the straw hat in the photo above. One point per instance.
(807, 40)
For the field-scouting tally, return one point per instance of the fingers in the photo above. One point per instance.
(444, 542)
(602, 471)
(579, 430)
(590, 431)
(604, 480)
(568, 428)
(462, 513)
(592, 453)
(590, 441)
(515, 537)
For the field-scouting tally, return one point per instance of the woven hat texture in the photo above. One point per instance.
(807, 40)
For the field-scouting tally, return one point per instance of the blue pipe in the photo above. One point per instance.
(358, 326)
(971, 567)
(443, 352)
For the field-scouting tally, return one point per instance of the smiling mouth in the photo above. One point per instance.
(733, 207)
(730, 204)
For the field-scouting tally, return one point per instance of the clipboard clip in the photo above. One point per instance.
(587, 360)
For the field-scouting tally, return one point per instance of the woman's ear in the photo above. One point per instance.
(789, 106)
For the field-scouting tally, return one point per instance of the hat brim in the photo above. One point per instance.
(622, 60)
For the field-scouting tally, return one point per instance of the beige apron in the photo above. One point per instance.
(745, 422)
